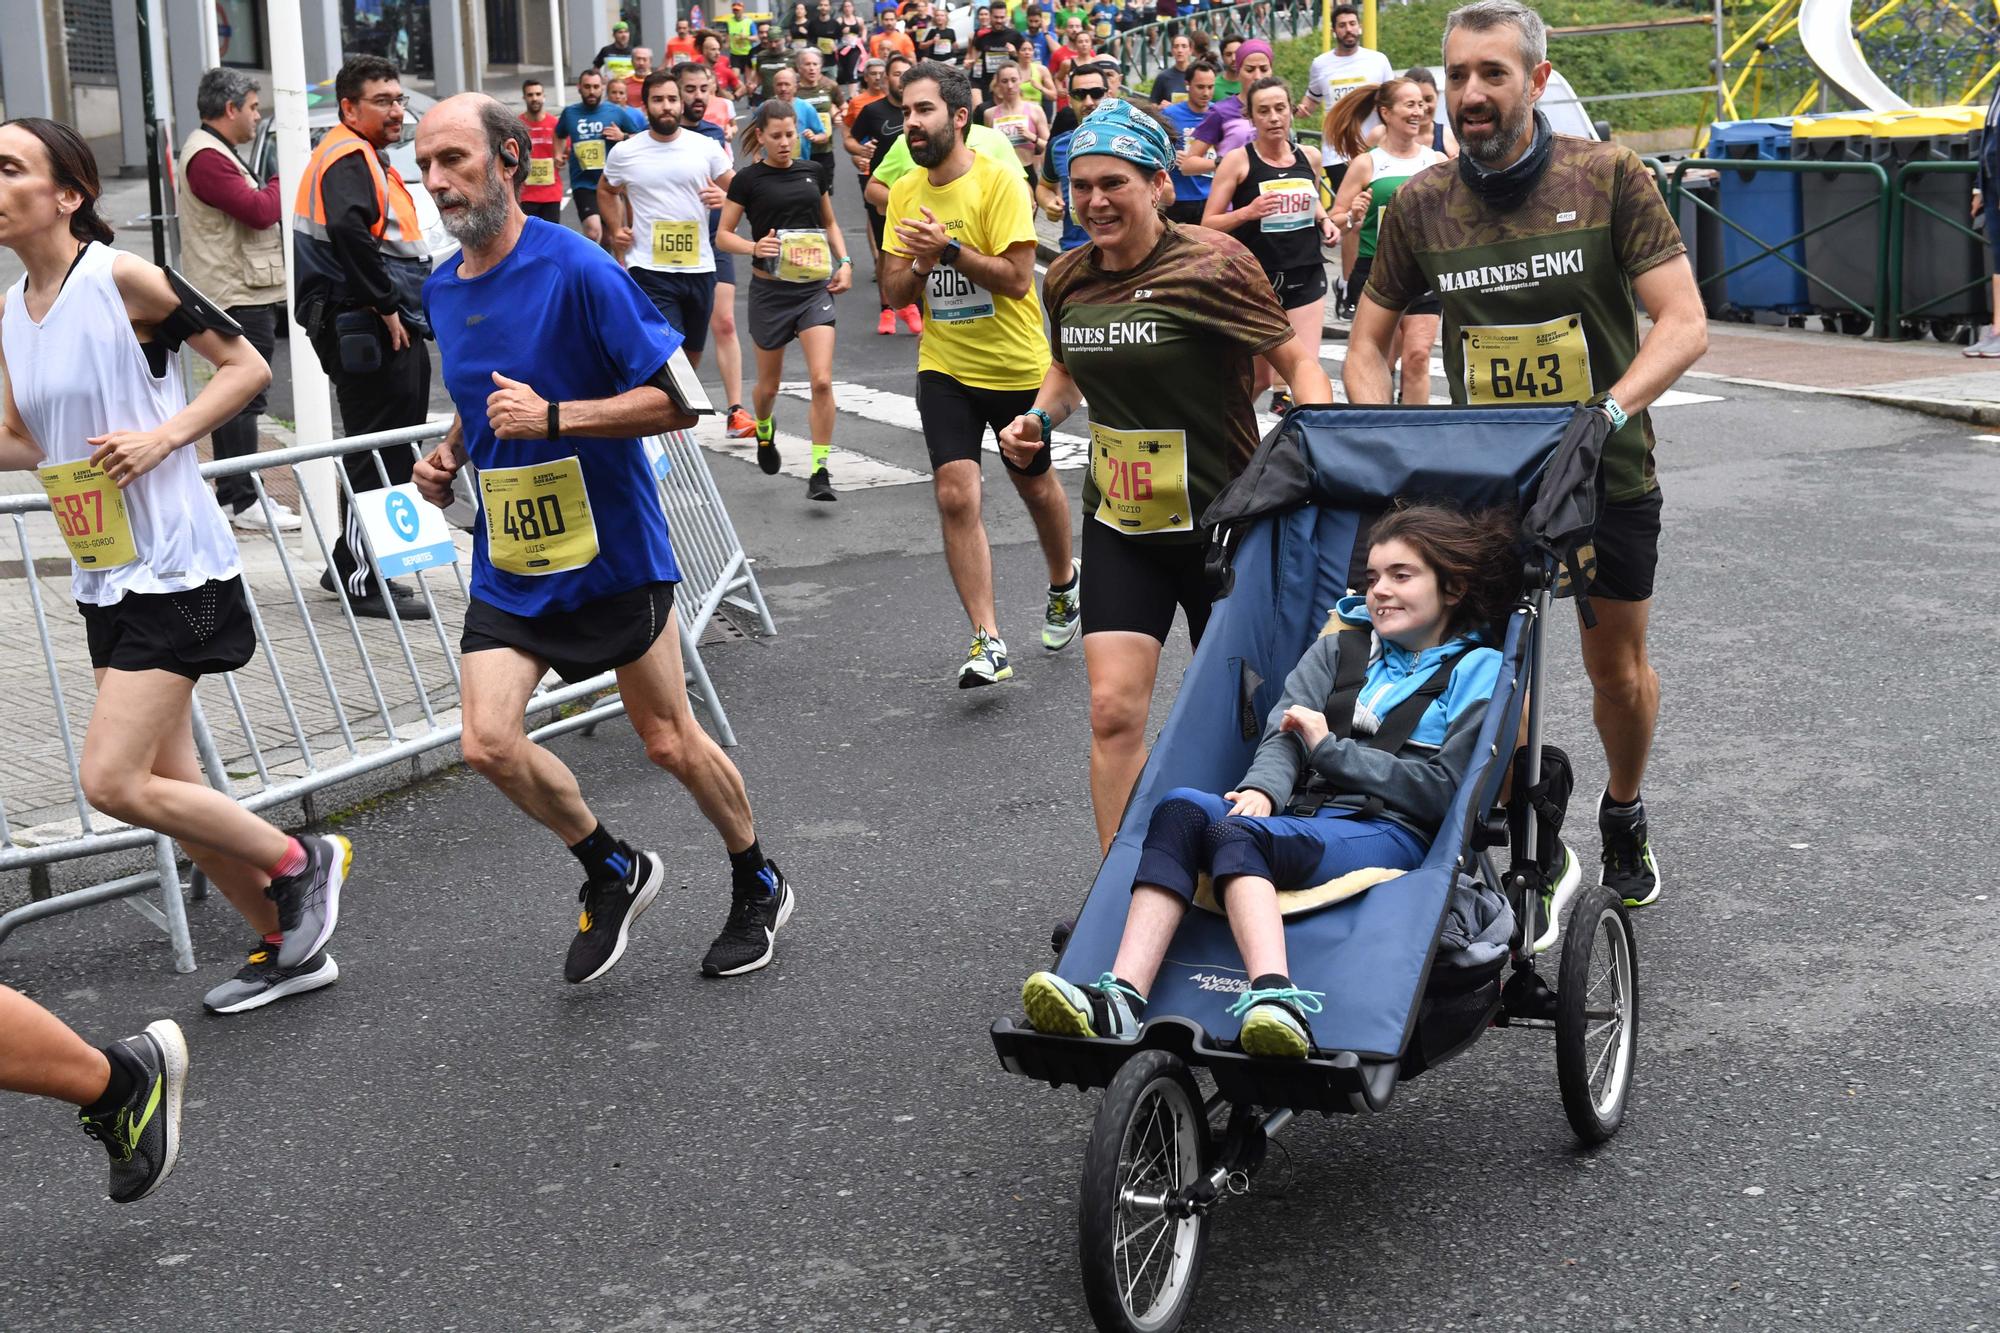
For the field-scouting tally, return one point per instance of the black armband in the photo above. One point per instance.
(195, 314)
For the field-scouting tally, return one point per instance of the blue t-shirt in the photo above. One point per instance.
(1055, 168)
(1186, 187)
(560, 316)
(808, 116)
(578, 125)
(721, 136)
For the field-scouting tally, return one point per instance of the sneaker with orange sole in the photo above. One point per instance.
(887, 323)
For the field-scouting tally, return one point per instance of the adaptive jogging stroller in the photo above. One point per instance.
(1411, 969)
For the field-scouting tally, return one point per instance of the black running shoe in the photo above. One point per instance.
(819, 486)
(309, 902)
(749, 939)
(143, 1135)
(263, 981)
(1629, 868)
(610, 906)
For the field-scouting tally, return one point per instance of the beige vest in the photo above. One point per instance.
(231, 264)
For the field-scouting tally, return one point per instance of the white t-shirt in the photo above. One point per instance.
(1333, 76)
(662, 180)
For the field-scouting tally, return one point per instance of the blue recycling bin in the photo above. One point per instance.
(1767, 205)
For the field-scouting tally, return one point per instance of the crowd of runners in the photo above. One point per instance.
(1196, 237)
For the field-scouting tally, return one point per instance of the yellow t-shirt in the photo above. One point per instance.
(979, 338)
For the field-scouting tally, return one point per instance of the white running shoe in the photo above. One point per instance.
(252, 519)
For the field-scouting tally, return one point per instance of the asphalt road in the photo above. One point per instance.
(451, 1138)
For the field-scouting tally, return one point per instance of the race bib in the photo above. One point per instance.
(618, 67)
(1103, 28)
(952, 297)
(1141, 476)
(590, 154)
(1526, 363)
(1015, 128)
(676, 244)
(541, 171)
(90, 514)
(538, 518)
(804, 256)
(1339, 88)
(826, 45)
(942, 48)
(996, 61)
(1293, 208)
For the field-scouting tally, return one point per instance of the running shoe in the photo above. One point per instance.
(912, 321)
(143, 1135)
(750, 936)
(887, 323)
(309, 902)
(741, 424)
(1062, 1009)
(1562, 885)
(819, 486)
(767, 448)
(1064, 614)
(1281, 402)
(263, 981)
(1274, 1021)
(253, 519)
(985, 663)
(1629, 868)
(1988, 345)
(610, 906)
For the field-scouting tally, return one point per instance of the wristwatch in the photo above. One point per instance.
(951, 251)
(1615, 412)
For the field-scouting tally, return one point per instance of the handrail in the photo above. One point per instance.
(1901, 201)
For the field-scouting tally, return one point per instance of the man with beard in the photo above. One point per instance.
(697, 84)
(1537, 245)
(572, 566)
(585, 132)
(656, 193)
(962, 235)
(541, 197)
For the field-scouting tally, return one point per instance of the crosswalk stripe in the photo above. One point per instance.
(900, 410)
(850, 471)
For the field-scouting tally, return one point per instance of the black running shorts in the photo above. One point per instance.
(1134, 583)
(1628, 549)
(1299, 286)
(551, 212)
(196, 633)
(585, 201)
(957, 416)
(596, 637)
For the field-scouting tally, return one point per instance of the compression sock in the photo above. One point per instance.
(767, 428)
(292, 862)
(821, 452)
(126, 1074)
(603, 856)
(749, 870)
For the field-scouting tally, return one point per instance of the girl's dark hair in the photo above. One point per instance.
(768, 110)
(1342, 127)
(1421, 74)
(1473, 555)
(74, 168)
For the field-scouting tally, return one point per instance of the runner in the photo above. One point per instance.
(1019, 120)
(1193, 172)
(656, 191)
(812, 127)
(1349, 65)
(1374, 176)
(696, 83)
(585, 132)
(798, 265)
(1171, 84)
(772, 59)
(823, 96)
(1087, 89)
(1036, 84)
(861, 150)
(1172, 414)
(1228, 126)
(962, 234)
(94, 404)
(1585, 229)
(742, 31)
(1268, 195)
(880, 127)
(542, 196)
(991, 51)
(1441, 135)
(127, 1094)
(547, 593)
(728, 81)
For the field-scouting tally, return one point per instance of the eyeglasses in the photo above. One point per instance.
(1087, 94)
(386, 102)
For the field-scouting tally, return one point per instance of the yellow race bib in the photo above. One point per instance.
(1142, 482)
(590, 154)
(541, 171)
(1293, 199)
(676, 244)
(90, 514)
(804, 256)
(538, 518)
(826, 45)
(1512, 364)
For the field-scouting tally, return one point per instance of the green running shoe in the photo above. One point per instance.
(1274, 1021)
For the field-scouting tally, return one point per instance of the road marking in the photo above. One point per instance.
(1989, 439)
(900, 411)
(850, 471)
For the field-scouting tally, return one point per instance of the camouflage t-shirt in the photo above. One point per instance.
(1164, 355)
(1538, 304)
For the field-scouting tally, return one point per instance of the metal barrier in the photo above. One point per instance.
(323, 705)
(1900, 204)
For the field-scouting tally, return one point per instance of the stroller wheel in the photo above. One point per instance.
(1597, 1015)
(1141, 1252)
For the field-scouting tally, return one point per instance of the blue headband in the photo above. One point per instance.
(1115, 129)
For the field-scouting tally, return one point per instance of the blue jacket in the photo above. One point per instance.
(1415, 786)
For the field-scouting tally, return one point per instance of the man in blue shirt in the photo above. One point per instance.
(1193, 174)
(1087, 87)
(585, 131)
(558, 365)
(812, 129)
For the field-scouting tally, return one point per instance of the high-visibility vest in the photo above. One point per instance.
(397, 233)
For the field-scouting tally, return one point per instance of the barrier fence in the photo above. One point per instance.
(1145, 50)
(329, 696)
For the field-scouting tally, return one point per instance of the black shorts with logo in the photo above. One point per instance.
(585, 201)
(956, 416)
(596, 637)
(1628, 549)
(201, 632)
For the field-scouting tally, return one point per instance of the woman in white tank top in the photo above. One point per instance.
(94, 405)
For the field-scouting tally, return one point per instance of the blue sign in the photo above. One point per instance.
(406, 533)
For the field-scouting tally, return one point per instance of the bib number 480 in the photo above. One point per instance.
(533, 517)
(1511, 377)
